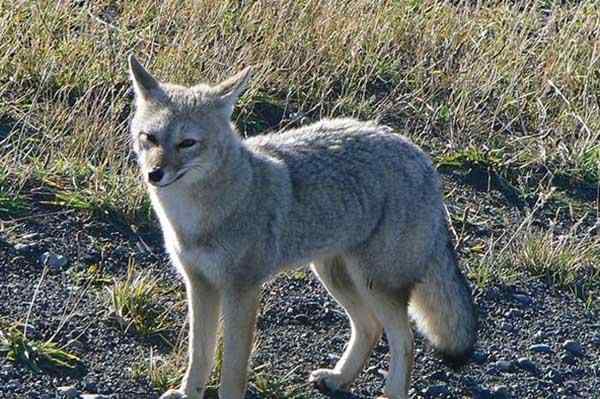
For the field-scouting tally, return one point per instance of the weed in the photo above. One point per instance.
(164, 373)
(566, 260)
(37, 355)
(271, 387)
(134, 304)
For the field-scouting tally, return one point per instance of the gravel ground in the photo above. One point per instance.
(536, 341)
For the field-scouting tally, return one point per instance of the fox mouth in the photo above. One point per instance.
(177, 177)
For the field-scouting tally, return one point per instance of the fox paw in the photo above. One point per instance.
(173, 394)
(327, 379)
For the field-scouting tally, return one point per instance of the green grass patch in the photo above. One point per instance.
(37, 355)
(134, 304)
(566, 260)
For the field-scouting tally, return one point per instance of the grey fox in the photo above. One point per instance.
(357, 201)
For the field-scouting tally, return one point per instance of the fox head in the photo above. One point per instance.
(182, 134)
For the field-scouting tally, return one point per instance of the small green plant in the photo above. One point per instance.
(37, 355)
(472, 158)
(11, 204)
(164, 373)
(591, 164)
(565, 259)
(270, 387)
(133, 304)
(93, 275)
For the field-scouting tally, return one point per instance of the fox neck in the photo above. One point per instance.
(187, 212)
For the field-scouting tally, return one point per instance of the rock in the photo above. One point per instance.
(596, 341)
(481, 393)
(500, 392)
(511, 313)
(568, 359)
(54, 261)
(333, 357)
(554, 376)
(95, 396)
(524, 300)
(526, 364)
(504, 365)
(91, 258)
(573, 347)
(27, 247)
(540, 348)
(479, 357)
(68, 391)
(439, 375)
(436, 391)
(301, 319)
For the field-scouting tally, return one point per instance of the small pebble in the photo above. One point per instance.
(512, 313)
(68, 391)
(481, 393)
(24, 247)
(301, 319)
(554, 376)
(526, 364)
(596, 340)
(54, 261)
(500, 392)
(333, 357)
(573, 347)
(436, 391)
(540, 348)
(479, 357)
(524, 300)
(568, 359)
(504, 365)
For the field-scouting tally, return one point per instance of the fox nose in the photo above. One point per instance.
(156, 175)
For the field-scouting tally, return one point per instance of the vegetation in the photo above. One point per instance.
(37, 355)
(133, 303)
(518, 76)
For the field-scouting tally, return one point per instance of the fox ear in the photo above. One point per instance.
(229, 90)
(143, 83)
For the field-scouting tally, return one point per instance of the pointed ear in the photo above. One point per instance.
(229, 90)
(143, 83)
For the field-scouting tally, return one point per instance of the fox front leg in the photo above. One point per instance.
(239, 319)
(203, 305)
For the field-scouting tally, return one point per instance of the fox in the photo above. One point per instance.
(358, 202)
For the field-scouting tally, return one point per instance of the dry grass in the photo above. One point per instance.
(523, 77)
(134, 304)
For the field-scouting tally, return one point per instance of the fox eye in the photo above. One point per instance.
(186, 143)
(149, 138)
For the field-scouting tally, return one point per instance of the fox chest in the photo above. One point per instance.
(181, 225)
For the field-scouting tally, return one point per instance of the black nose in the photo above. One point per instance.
(156, 175)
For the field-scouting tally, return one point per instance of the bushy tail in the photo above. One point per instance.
(443, 308)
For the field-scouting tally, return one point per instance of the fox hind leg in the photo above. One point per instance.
(366, 329)
(390, 306)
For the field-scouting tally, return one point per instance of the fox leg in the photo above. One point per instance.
(366, 329)
(239, 318)
(203, 304)
(391, 309)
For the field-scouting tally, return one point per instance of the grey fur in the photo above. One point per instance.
(358, 200)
